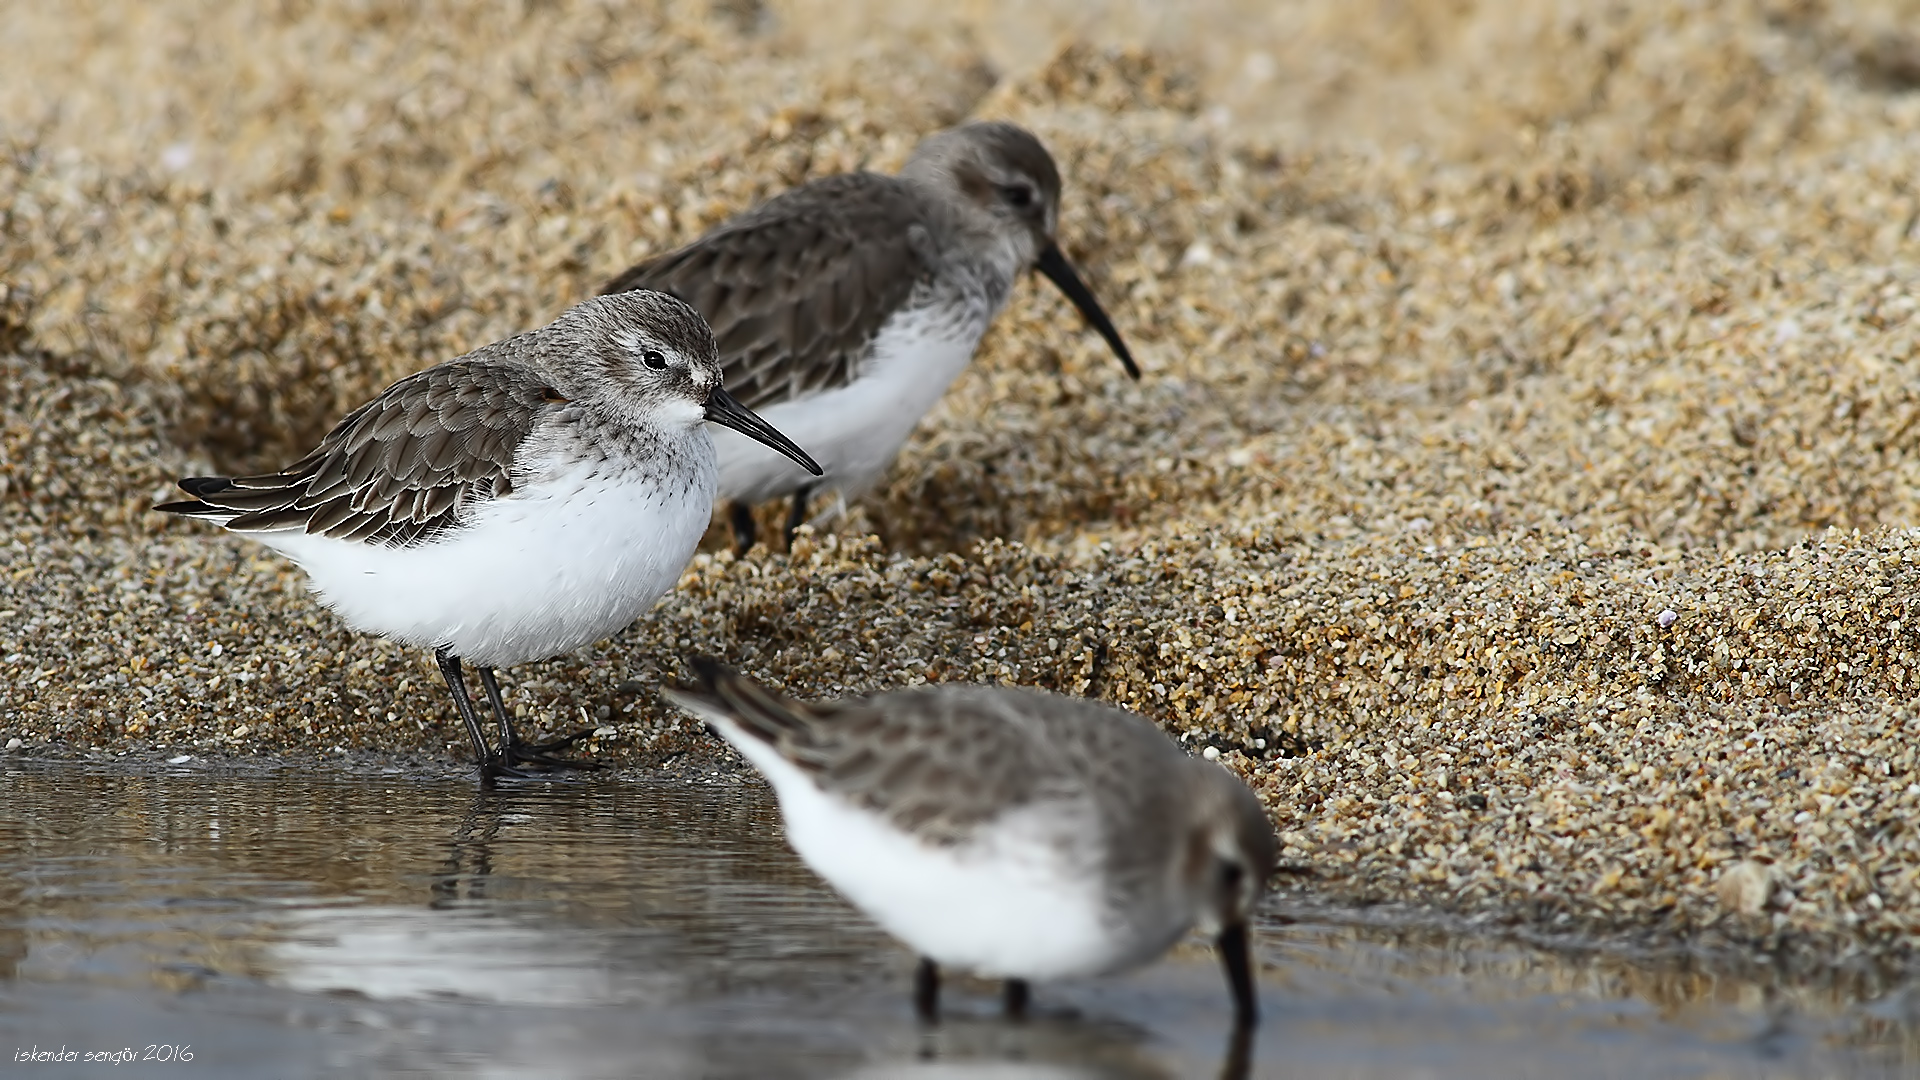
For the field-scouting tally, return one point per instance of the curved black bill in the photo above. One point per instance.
(723, 410)
(1060, 272)
(1234, 957)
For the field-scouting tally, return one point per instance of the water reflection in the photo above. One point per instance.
(661, 928)
(464, 944)
(397, 953)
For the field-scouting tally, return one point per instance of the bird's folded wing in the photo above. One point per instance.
(938, 766)
(797, 288)
(400, 468)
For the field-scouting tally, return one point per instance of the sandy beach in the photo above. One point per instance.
(1521, 492)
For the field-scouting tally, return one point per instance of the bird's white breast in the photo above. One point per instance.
(854, 431)
(1021, 900)
(572, 555)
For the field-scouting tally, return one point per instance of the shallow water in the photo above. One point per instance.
(295, 924)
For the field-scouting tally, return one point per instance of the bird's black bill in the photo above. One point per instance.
(1239, 1060)
(1234, 956)
(1059, 271)
(723, 410)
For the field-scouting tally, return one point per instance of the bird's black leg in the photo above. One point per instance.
(741, 517)
(490, 765)
(926, 990)
(514, 751)
(1017, 994)
(797, 513)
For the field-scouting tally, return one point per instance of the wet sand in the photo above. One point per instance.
(1520, 492)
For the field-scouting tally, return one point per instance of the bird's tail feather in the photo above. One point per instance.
(721, 693)
(200, 487)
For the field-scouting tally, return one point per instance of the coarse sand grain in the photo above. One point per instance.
(1521, 494)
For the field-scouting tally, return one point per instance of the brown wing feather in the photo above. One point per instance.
(797, 288)
(398, 469)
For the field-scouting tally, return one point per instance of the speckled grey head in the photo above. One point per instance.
(651, 359)
(1003, 189)
(653, 350)
(1000, 175)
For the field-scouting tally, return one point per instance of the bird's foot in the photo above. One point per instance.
(541, 756)
(498, 768)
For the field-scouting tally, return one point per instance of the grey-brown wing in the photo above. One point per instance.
(937, 767)
(398, 469)
(939, 763)
(1122, 783)
(797, 288)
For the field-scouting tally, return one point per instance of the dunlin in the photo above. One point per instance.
(516, 503)
(845, 307)
(1012, 833)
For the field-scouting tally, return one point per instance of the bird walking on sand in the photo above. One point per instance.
(846, 306)
(1013, 833)
(515, 503)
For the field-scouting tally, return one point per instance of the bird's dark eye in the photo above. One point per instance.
(1018, 196)
(1230, 875)
(654, 359)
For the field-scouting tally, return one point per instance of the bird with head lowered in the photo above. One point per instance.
(1012, 833)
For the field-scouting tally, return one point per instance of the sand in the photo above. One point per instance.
(1521, 492)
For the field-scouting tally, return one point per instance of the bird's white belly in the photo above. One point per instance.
(558, 564)
(1007, 905)
(855, 431)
